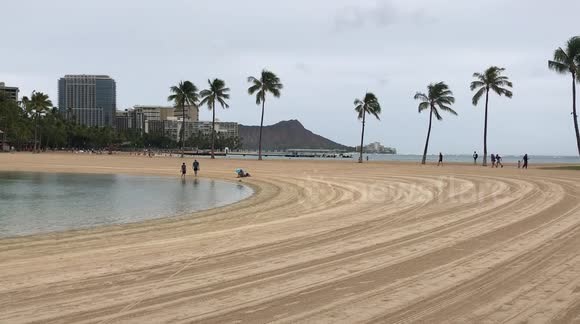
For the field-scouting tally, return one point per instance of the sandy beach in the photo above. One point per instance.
(318, 242)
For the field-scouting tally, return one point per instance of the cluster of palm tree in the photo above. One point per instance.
(440, 97)
(186, 94)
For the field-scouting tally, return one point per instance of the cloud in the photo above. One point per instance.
(382, 14)
(303, 67)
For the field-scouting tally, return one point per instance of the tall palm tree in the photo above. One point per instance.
(369, 105)
(184, 94)
(438, 97)
(217, 92)
(37, 106)
(568, 60)
(268, 82)
(490, 79)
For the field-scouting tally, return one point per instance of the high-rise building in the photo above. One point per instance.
(10, 92)
(91, 100)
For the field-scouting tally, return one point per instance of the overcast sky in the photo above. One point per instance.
(326, 52)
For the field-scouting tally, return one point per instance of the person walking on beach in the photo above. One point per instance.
(440, 159)
(498, 161)
(183, 170)
(525, 166)
(195, 167)
(492, 160)
(519, 164)
(475, 156)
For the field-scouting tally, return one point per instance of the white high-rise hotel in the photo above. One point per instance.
(90, 99)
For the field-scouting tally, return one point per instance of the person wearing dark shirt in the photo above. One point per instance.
(498, 161)
(195, 167)
(440, 159)
(475, 156)
(525, 166)
(183, 170)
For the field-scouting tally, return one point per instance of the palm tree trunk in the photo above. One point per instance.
(261, 125)
(362, 135)
(35, 132)
(485, 129)
(428, 135)
(182, 130)
(212, 128)
(574, 114)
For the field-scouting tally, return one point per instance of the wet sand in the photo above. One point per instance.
(319, 242)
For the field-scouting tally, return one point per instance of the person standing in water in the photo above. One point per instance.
(183, 170)
(440, 159)
(195, 167)
(525, 166)
(475, 156)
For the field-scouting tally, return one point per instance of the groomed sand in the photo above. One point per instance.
(319, 242)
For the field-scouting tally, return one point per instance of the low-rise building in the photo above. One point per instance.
(10, 92)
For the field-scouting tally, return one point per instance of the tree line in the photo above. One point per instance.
(33, 124)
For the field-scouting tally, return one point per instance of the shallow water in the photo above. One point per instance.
(32, 203)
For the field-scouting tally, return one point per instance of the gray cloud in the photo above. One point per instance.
(382, 13)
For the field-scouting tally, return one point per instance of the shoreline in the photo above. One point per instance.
(317, 241)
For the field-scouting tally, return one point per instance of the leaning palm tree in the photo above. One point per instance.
(438, 97)
(268, 82)
(37, 106)
(217, 92)
(568, 60)
(369, 105)
(490, 79)
(184, 94)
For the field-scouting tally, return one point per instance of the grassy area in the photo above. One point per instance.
(568, 167)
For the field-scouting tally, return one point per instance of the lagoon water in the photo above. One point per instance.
(32, 203)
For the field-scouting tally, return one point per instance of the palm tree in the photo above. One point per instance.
(217, 92)
(369, 105)
(184, 94)
(568, 60)
(490, 79)
(438, 97)
(37, 107)
(268, 82)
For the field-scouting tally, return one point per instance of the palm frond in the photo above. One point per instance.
(421, 96)
(423, 106)
(448, 109)
(478, 95)
(559, 67)
(205, 93)
(205, 101)
(436, 113)
(501, 91)
(275, 92)
(476, 85)
(253, 89)
(222, 102)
